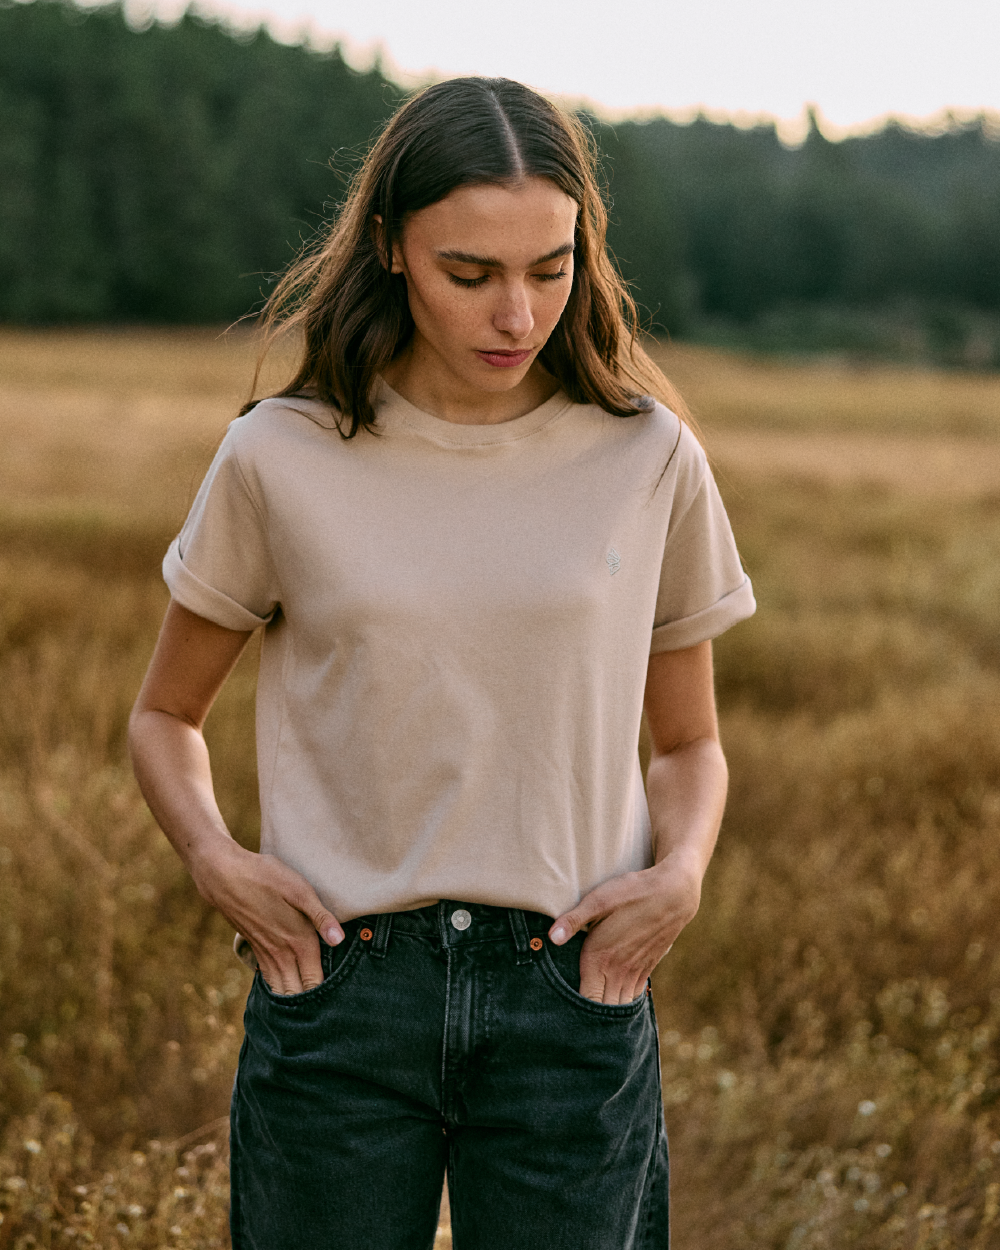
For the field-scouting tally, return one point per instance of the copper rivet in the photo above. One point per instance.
(366, 935)
(535, 944)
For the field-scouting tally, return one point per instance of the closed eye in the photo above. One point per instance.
(471, 283)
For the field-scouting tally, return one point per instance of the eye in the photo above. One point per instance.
(552, 277)
(469, 283)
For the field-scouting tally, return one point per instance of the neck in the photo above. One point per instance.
(425, 381)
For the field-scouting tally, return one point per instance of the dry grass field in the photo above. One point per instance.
(830, 1020)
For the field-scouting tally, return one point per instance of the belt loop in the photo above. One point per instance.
(519, 932)
(383, 927)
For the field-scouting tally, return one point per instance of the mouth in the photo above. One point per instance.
(504, 359)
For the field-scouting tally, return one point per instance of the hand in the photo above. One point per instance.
(634, 921)
(274, 908)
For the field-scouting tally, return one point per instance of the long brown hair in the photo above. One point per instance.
(353, 313)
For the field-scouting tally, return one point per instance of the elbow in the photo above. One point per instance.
(134, 735)
(705, 746)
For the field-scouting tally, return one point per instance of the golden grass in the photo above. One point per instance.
(740, 392)
(830, 1019)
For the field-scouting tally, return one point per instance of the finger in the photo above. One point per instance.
(323, 921)
(623, 985)
(281, 978)
(633, 991)
(326, 925)
(570, 922)
(592, 984)
(615, 991)
(310, 964)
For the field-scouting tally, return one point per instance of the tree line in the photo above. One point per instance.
(165, 175)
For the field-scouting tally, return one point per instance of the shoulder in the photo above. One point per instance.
(284, 412)
(273, 421)
(663, 442)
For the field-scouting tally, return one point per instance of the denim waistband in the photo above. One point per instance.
(450, 922)
(453, 923)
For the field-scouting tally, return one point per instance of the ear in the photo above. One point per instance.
(387, 255)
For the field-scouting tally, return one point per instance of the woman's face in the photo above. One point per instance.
(488, 270)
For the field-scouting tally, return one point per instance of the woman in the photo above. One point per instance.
(474, 545)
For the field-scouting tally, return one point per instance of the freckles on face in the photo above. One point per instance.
(488, 271)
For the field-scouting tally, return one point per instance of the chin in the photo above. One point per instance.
(497, 386)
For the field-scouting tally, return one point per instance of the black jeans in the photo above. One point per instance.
(451, 1038)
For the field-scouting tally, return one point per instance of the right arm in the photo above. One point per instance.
(272, 906)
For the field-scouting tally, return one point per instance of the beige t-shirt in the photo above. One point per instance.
(458, 622)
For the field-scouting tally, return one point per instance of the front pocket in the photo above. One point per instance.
(337, 963)
(557, 980)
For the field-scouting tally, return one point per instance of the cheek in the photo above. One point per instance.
(551, 306)
(439, 308)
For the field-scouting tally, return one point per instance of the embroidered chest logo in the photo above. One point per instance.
(614, 561)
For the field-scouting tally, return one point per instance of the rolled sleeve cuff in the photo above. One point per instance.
(204, 600)
(709, 623)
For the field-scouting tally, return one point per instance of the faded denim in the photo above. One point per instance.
(431, 1050)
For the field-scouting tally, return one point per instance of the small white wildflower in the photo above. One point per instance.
(883, 1150)
(825, 1177)
(122, 1230)
(726, 1079)
(179, 1192)
(81, 1190)
(996, 1147)
(176, 1230)
(867, 1107)
(135, 1210)
(861, 1204)
(14, 1183)
(33, 1147)
(899, 1190)
(138, 1158)
(183, 1172)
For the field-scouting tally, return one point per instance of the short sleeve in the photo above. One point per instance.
(703, 589)
(220, 565)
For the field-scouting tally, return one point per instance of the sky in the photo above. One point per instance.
(856, 60)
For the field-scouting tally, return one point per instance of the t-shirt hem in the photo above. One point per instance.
(709, 623)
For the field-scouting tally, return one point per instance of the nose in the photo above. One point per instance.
(513, 316)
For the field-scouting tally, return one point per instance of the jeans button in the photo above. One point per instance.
(461, 919)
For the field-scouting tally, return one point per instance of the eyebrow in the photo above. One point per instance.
(490, 262)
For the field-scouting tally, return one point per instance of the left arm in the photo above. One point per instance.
(635, 919)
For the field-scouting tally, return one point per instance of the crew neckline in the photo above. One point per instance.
(394, 411)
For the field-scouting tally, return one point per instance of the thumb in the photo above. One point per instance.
(571, 922)
(323, 921)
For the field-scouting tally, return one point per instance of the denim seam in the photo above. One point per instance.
(444, 1033)
(237, 1231)
(661, 1131)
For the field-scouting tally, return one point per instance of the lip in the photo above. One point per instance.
(504, 359)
